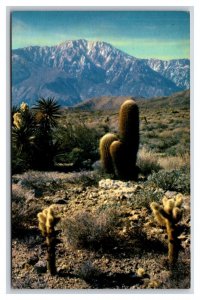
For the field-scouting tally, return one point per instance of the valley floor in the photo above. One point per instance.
(136, 258)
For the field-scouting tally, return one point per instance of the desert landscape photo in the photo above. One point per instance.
(100, 150)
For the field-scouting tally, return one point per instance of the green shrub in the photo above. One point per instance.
(176, 180)
(39, 181)
(78, 143)
(145, 196)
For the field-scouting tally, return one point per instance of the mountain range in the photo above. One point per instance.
(78, 70)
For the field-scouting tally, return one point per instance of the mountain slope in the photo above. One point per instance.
(78, 70)
(177, 70)
(114, 103)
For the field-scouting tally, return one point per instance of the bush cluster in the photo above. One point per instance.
(91, 231)
(175, 180)
(78, 144)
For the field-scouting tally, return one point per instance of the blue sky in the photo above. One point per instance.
(143, 34)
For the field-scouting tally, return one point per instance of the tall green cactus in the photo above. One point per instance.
(129, 126)
(121, 155)
(105, 156)
(122, 167)
(124, 154)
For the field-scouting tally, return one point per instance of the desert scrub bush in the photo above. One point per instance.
(93, 231)
(178, 149)
(40, 181)
(89, 272)
(175, 180)
(144, 196)
(172, 141)
(166, 143)
(23, 210)
(85, 178)
(20, 193)
(147, 162)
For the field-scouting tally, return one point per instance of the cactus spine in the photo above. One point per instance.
(47, 222)
(168, 215)
(104, 147)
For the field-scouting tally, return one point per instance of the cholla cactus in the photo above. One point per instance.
(47, 222)
(19, 117)
(17, 120)
(24, 106)
(168, 215)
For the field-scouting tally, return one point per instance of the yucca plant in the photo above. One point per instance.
(46, 114)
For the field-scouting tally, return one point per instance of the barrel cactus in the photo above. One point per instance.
(105, 155)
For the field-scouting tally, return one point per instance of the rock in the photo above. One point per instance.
(40, 267)
(78, 190)
(97, 166)
(59, 201)
(33, 260)
(170, 194)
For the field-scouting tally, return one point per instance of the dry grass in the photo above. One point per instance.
(174, 162)
(147, 161)
(91, 231)
(24, 208)
(21, 194)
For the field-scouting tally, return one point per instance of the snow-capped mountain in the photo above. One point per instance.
(78, 70)
(177, 70)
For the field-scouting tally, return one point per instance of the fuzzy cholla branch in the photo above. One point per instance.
(47, 222)
(169, 214)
